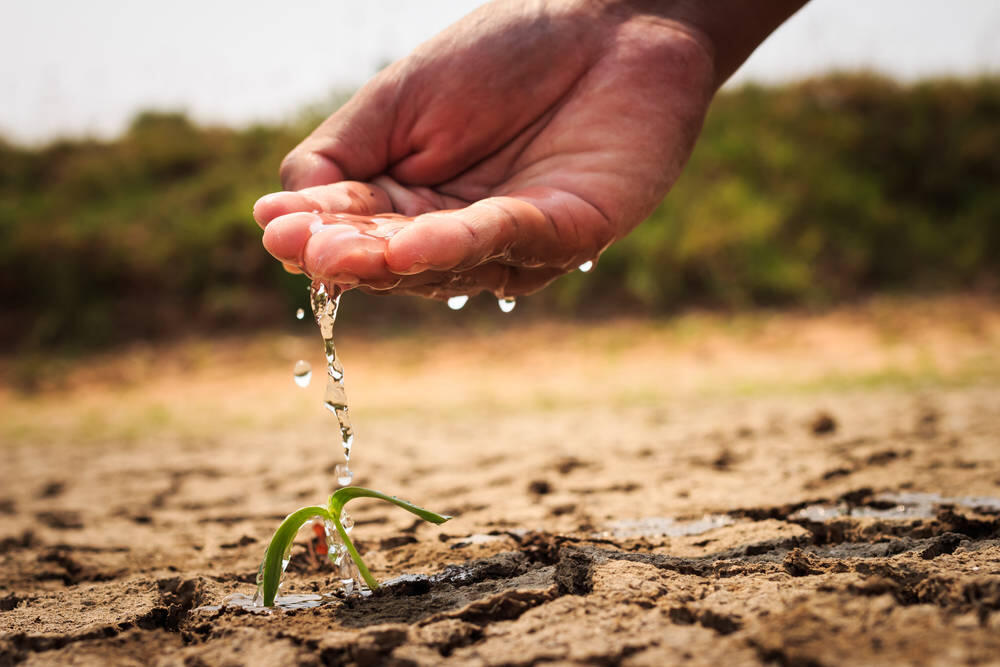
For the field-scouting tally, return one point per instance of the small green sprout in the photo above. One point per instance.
(281, 544)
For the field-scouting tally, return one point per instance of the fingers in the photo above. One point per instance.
(304, 168)
(344, 255)
(507, 245)
(465, 238)
(542, 228)
(341, 248)
(344, 197)
(353, 143)
(501, 280)
(286, 236)
(351, 251)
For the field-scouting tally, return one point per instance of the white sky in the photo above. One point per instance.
(74, 68)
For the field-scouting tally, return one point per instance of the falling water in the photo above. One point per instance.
(324, 307)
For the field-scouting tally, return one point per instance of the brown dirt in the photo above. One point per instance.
(704, 491)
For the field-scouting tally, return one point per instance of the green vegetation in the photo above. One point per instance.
(802, 194)
(276, 556)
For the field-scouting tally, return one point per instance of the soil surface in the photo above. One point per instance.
(764, 489)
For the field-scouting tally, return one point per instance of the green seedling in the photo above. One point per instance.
(278, 550)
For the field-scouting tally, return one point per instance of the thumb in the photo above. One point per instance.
(352, 144)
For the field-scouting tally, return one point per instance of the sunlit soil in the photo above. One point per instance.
(791, 488)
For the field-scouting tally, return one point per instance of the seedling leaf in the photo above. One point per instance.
(285, 535)
(341, 496)
(280, 544)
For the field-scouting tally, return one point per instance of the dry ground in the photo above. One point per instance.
(789, 489)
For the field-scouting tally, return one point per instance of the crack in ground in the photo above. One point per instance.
(176, 597)
(451, 609)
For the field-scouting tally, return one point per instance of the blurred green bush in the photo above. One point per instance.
(801, 194)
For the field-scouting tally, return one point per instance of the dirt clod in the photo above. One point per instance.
(800, 564)
(573, 571)
(823, 423)
(942, 544)
(540, 487)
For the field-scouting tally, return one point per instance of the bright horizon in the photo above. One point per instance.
(89, 71)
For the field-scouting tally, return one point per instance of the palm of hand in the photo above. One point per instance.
(516, 153)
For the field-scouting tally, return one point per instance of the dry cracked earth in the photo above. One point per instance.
(636, 496)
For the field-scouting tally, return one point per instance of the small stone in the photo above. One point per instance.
(540, 487)
(822, 424)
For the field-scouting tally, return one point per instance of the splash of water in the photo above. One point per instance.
(347, 570)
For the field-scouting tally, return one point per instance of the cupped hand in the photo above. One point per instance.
(504, 152)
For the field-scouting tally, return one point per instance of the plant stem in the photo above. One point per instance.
(283, 538)
(355, 556)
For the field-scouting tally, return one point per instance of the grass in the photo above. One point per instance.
(801, 195)
(213, 387)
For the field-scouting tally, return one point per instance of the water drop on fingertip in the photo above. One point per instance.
(302, 373)
(300, 313)
(458, 302)
(587, 266)
(507, 304)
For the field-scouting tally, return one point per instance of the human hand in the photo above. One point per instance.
(515, 145)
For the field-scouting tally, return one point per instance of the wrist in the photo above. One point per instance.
(728, 30)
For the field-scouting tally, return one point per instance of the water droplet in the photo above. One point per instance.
(507, 305)
(458, 302)
(587, 266)
(258, 598)
(335, 549)
(302, 373)
(349, 576)
(337, 553)
(300, 313)
(344, 475)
